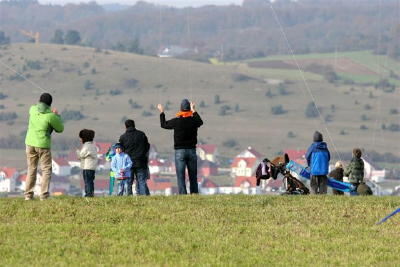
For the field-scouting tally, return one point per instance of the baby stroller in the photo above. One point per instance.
(293, 186)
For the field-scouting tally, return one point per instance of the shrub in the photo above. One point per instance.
(363, 127)
(131, 83)
(393, 111)
(88, 85)
(290, 134)
(394, 127)
(367, 107)
(311, 110)
(230, 143)
(278, 110)
(73, 115)
(8, 116)
(217, 99)
(33, 64)
(3, 96)
(364, 117)
(269, 94)
(146, 113)
(239, 77)
(115, 92)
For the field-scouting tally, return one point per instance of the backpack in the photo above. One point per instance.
(262, 171)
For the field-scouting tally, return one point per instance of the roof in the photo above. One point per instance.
(8, 172)
(155, 162)
(206, 164)
(240, 180)
(156, 184)
(295, 154)
(102, 148)
(208, 148)
(250, 153)
(22, 178)
(207, 183)
(250, 162)
(61, 161)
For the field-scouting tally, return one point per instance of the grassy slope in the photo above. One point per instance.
(252, 126)
(200, 230)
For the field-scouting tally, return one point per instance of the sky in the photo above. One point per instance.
(177, 3)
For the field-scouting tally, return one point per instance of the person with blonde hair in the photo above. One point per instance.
(337, 174)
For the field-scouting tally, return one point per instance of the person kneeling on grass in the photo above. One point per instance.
(121, 165)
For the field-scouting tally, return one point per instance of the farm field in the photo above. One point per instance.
(200, 230)
(102, 88)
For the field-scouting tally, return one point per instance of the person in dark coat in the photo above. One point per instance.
(137, 146)
(185, 126)
(318, 157)
(337, 174)
(355, 170)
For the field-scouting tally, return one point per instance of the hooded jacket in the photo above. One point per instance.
(88, 156)
(42, 122)
(121, 162)
(355, 170)
(318, 157)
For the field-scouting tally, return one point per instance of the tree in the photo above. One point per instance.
(277, 110)
(72, 37)
(58, 37)
(4, 40)
(134, 47)
(217, 99)
(88, 85)
(311, 110)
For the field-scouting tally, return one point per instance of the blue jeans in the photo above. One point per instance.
(122, 187)
(140, 175)
(186, 158)
(88, 178)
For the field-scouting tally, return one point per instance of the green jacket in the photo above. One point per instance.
(355, 170)
(42, 122)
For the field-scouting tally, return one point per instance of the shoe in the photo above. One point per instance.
(28, 198)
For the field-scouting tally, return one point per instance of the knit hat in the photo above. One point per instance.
(46, 98)
(318, 137)
(185, 105)
(118, 145)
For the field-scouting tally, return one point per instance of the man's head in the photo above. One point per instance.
(318, 137)
(185, 105)
(118, 148)
(130, 124)
(46, 98)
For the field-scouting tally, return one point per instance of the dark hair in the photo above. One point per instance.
(357, 152)
(130, 123)
(86, 135)
(46, 98)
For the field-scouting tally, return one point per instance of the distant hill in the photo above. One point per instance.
(231, 32)
(241, 105)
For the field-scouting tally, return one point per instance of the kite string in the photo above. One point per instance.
(23, 76)
(304, 79)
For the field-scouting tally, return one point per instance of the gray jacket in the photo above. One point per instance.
(88, 156)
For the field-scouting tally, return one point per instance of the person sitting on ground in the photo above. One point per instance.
(121, 165)
(88, 157)
(355, 170)
(337, 174)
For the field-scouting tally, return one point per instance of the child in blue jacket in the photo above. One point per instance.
(318, 157)
(121, 166)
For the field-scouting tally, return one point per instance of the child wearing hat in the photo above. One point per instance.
(121, 165)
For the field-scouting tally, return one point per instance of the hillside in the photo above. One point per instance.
(98, 89)
(200, 230)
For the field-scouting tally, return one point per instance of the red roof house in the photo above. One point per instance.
(207, 152)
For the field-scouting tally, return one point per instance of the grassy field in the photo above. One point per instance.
(200, 230)
(64, 71)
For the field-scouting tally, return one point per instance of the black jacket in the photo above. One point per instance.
(137, 146)
(185, 130)
(337, 174)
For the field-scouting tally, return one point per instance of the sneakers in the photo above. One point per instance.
(28, 198)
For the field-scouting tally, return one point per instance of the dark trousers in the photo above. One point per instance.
(88, 178)
(140, 176)
(337, 192)
(319, 184)
(186, 158)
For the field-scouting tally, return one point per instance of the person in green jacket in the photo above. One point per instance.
(355, 170)
(42, 122)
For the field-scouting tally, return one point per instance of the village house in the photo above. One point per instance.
(243, 169)
(206, 168)
(8, 179)
(61, 167)
(298, 156)
(207, 152)
(207, 187)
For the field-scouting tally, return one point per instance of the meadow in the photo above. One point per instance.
(200, 230)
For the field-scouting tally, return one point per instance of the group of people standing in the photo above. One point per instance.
(130, 161)
(318, 157)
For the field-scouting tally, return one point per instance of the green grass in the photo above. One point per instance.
(199, 230)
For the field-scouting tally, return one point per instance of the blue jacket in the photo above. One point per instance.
(318, 157)
(121, 162)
